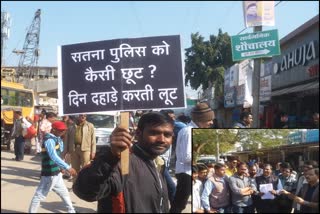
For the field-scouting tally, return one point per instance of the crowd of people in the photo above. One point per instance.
(159, 143)
(240, 187)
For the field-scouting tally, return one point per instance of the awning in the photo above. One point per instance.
(294, 89)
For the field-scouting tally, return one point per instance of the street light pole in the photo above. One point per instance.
(256, 87)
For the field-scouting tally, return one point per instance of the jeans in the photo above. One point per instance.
(19, 148)
(170, 184)
(48, 183)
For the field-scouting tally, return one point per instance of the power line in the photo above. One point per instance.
(247, 28)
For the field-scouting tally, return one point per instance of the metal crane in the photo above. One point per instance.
(30, 53)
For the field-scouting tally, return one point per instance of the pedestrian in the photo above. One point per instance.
(315, 121)
(46, 123)
(42, 116)
(246, 120)
(308, 196)
(81, 141)
(51, 177)
(282, 121)
(201, 117)
(202, 173)
(268, 205)
(196, 192)
(210, 169)
(69, 121)
(289, 184)
(252, 176)
(232, 166)
(19, 140)
(242, 187)
(144, 189)
(215, 197)
(310, 164)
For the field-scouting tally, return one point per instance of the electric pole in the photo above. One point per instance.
(256, 87)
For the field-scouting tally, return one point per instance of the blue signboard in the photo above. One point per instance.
(295, 138)
(312, 136)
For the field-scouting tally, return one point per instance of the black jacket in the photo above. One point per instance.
(141, 191)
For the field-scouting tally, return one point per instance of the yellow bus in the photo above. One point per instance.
(15, 97)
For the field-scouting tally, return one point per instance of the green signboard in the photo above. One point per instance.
(255, 45)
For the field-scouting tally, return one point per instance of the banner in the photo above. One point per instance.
(265, 88)
(234, 75)
(121, 74)
(258, 13)
(244, 67)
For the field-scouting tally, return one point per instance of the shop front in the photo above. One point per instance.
(295, 77)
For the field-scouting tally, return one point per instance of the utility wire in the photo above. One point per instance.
(247, 28)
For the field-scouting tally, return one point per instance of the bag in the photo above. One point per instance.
(28, 130)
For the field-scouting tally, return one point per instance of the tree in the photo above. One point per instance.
(204, 141)
(206, 61)
(253, 139)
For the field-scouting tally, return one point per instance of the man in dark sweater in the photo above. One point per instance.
(144, 189)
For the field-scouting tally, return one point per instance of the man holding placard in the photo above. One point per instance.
(144, 189)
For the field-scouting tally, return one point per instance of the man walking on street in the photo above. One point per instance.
(81, 142)
(51, 177)
(201, 116)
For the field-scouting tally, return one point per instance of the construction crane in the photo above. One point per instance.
(5, 33)
(29, 55)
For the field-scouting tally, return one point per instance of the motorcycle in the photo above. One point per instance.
(5, 137)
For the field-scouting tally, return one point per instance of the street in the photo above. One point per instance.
(19, 181)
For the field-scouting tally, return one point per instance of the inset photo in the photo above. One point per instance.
(254, 170)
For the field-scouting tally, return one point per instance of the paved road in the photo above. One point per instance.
(19, 181)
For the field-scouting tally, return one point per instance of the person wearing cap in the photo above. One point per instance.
(201, 117)
(45, 125)
(51, 177)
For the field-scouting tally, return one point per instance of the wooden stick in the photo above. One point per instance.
(124, 157)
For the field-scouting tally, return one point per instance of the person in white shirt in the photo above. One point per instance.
(202, 116)
(196, 192)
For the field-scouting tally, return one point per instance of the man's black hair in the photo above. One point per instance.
(244, 115)
(154, 119)
(218, 166)
(194, 169)
(202, 166)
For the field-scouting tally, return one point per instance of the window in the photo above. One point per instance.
(101, 121)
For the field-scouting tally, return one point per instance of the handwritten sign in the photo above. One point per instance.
(121, 74)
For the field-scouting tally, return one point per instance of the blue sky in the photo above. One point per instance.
(84, 21)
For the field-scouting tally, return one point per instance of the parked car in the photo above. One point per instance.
(206, 160)
(104, 123)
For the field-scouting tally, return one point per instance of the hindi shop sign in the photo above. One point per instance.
(255, 45)
(121, 74)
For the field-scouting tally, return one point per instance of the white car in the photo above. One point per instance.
(104, 123)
